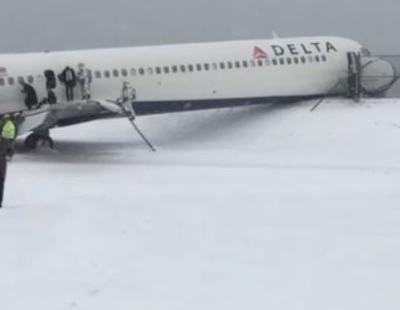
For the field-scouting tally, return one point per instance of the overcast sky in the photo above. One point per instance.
(52, 24)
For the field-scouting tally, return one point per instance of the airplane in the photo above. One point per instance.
(188, 77)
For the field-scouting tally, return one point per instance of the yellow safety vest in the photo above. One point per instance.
(9, 130)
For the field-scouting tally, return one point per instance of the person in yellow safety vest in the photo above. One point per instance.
(9, 134)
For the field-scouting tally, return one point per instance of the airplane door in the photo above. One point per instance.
(51, 81)
(354, 75)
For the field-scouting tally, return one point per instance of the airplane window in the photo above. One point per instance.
(289, 61)
(206, 67)
(282, 61)
(30, 79)
(198, 67)
(133, 72)
(97, 74)
(11, 81)
(166, 70)
(150, 70)
(296, 60)
(20, 79)
(183, 68)
(158, 70)
(174, 69)
(237, 64)
(245, 64)
(323, 57)
(107, 74)
(191, 68)
(260, 63)
(222, 65)
(124, 72)
(115, 73)
(2, 82)
(274, 62)
(303, 59)
(252, 63)
(317, 58)
(214, 66)
(230, 65)
(141, 71)
(310, 59)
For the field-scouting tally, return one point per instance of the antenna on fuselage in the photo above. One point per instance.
(275, 35)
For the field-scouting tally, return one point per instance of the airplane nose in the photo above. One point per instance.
(378, 75)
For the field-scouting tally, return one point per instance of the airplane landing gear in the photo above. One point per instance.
(39, 140)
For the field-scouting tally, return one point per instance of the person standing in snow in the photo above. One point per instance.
(8, 135)
(127, 97)
(85, 79)
(3, 168)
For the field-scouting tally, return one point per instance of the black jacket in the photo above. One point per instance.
(68, 76)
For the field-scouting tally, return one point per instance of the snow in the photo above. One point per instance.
(269, 207)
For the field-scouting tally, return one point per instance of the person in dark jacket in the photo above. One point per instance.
(68, 77)
(3, 168)
(31, 99)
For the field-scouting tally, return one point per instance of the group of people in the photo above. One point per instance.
(70, 79)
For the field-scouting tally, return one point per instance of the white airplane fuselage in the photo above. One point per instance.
(175, 77)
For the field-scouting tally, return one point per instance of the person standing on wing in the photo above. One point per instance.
(31, 99)
(68, 77)
(3, 168)
(84, 79)
(127, 99)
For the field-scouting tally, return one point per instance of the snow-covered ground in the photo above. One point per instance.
(255, 208)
